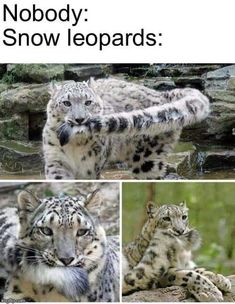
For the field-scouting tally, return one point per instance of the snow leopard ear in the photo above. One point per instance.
(151, 209)
(27, 201)
(86, 199)
(91, 83)
(183, 204)
(91, 197)
(53, 87)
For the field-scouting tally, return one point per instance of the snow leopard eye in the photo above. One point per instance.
(184, 217)
(88, 102)
(67, 103)
(166, 218)
(82, 232)
(45, 230)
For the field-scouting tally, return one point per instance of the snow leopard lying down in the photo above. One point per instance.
(53, 250)
(92, 123)
(161, 255)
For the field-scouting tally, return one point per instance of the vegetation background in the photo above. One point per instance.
(211, 211)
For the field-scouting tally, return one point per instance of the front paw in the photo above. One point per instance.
(223, 283)
(206, 291)
(127, 289)
(220, 281)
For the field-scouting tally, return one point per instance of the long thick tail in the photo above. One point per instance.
(190, 107)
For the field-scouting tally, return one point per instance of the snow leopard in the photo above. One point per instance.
(54, 251)
(162, 256)
(91, 124)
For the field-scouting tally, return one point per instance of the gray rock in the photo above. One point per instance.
(3, 69)
(200, 161)
(219, 79)
(182, 70)
(19, 158)
(159, 83)
(36, 125)
(35, 73)
(15, 127)
(174, 160)
(84, 72)
(217, 128)
(222, 118)
(25, 98)
(189, 81)
(3, 87)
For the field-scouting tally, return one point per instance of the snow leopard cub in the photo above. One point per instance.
(54, 250)
(161, 256)
(110, 120)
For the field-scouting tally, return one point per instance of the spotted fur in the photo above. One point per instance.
(90, 124)
(54, 250)
(162, 256)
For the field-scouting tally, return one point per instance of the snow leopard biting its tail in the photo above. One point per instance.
(161, 256)
(54, 251)
(92, 123)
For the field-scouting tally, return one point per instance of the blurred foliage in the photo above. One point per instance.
(211, 211)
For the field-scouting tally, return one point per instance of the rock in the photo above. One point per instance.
(217, 128)
(168, 294)
(200, 161)
(15, 127)
(3, 69)
(198, 133)
(159, 83)
(173, 176)
(222, 118)
(36, 125)
(165, 70)
(35, 73)
(25, 98)
(219, 79)
(189, 81)
(84, 72)
(131, 69)
(19, 158)
(181, 70)
(172, 294)
(174, 160)
(3, 87)
(231, 84)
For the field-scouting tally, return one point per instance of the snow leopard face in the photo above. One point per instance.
(74, 102)
(172, 218)
(59, 231)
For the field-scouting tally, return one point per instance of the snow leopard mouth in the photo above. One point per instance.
(176, 233)
(73, 123)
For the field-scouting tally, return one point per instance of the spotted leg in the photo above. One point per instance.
(149, 156)
(219, 280)
(197, 284)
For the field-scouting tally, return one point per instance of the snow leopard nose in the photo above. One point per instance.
(79, 120)
(66, 261)
(179, 231)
